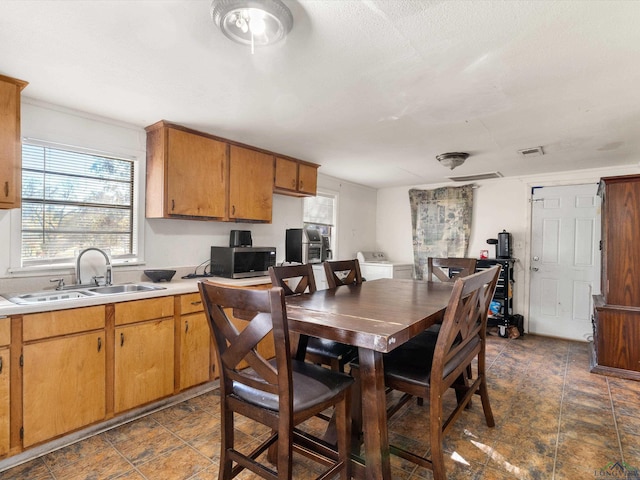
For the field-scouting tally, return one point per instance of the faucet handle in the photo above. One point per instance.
(96, 278)
(60, 281)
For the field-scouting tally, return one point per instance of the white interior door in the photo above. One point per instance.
(565, 260)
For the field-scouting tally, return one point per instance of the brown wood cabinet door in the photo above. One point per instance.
(250, 185)
(307, 179)
(615, 330)
(144, 362)
(63, 385)
(621, 230)
(10, 144)
(286, 175)
(4, 400)
(195, 352)
(196, 175)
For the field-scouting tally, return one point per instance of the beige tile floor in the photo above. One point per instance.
(554, 420)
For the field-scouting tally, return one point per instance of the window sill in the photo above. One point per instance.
(63, 268)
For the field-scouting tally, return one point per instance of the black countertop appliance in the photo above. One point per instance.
(504, 245)
(303, 245)
(240, 238)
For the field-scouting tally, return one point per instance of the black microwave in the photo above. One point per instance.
(242, 262)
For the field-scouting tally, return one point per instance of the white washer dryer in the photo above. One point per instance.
(375, 265)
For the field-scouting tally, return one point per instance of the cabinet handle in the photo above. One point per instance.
(173, 205)
(293, 183)
(186, 326)
(301, 186)
(121, 339)
(233, 209)
(0, 364)
(198, 302)
(6, 189)
(99, 344)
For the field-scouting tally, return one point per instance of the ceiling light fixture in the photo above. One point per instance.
(452, 159)
(252, 22)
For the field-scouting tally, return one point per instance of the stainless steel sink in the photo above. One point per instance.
(125, 288)
(55, 296)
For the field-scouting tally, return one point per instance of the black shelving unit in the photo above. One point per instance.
(504, 294)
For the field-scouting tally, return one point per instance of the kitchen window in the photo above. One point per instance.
(72, 199)
(320, 213)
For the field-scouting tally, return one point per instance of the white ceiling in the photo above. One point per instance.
(372, 90)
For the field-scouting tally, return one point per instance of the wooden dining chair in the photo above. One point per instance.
(428, 366)
(297, 279)
(449, 269)
(280, 393)
(343, 272)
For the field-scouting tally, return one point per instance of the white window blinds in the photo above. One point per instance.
(73, 200)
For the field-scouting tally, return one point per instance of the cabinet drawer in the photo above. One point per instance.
(62, 322)
(191, 303)
(5, 331)
(140, 310)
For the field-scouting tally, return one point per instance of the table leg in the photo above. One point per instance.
(374, 407)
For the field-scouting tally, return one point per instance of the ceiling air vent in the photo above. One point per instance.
(479, 176)
(531, 152)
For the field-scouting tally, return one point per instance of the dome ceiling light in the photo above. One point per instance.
(252, 22)
(452, 159)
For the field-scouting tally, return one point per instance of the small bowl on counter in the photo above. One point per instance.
(160, 275)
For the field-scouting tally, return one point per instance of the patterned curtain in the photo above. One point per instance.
(441, 221)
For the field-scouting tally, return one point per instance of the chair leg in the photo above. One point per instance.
(435, 427)
(226, 443)
(486, 406)
(285, 451)
(461, 386)
(336, 366)
(484, 391)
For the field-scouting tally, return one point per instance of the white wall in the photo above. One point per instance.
(356, 216)
(183, 243)
(497, 204)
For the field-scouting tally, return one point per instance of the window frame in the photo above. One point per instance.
(136, 258)
(334, 227)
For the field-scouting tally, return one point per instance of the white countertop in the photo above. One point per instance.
(174, 287)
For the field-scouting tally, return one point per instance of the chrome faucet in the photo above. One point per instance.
(107, 275)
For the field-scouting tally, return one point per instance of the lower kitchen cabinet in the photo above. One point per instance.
(144, 352)
(195, 343)
(143, 363)
(5, 365)
(63, 385)
(63, 372)
(5, 385)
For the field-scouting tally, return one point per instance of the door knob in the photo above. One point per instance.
(535, 269)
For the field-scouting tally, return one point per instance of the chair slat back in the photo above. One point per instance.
(442, 268)
(465, 320)
(288, 275)
(234, 346)
(343, 272)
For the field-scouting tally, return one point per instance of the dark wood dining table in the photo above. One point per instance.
(376, 316)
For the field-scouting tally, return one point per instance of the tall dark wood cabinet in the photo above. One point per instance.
(616, 319)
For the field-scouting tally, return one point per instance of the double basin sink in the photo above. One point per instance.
(80, 292)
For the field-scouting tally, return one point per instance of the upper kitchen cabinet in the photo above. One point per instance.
(250, 185)
(296, 178)
(10, 142)
(186, 174)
